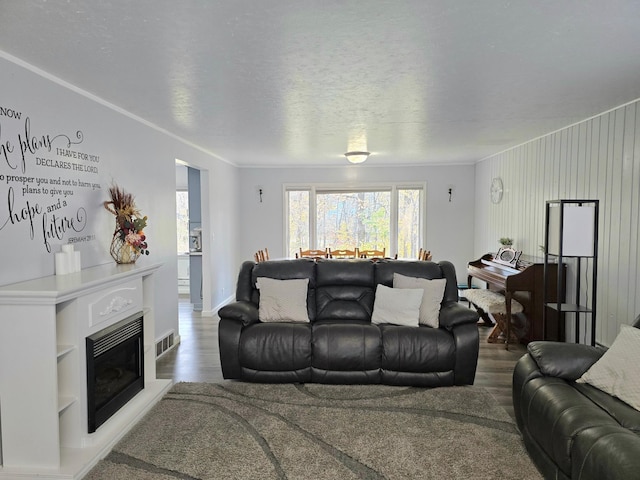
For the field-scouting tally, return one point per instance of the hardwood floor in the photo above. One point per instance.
(495, 368)
(196, 358)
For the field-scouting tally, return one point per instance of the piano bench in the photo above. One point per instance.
(494, 304)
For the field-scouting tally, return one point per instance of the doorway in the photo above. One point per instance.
(189, 233)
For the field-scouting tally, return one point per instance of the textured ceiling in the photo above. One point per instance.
(299, 82)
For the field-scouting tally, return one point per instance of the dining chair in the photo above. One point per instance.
(425, 255)
(344, 253)
(311, 253)
(373, 253)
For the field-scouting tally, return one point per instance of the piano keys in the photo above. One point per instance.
(524, 283)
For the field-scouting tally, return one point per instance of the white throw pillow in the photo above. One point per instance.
(433, 291)
(617, 372)
(283, 300)
(396, 306)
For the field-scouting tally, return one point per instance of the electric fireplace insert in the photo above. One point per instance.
(115, 368)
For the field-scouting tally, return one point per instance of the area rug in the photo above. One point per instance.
(255, 431)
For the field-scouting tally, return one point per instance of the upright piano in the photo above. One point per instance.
(524, 283)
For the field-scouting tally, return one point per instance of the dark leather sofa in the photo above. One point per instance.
(573, 430)
(340, 344)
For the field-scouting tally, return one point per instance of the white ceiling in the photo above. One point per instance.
(300, 82)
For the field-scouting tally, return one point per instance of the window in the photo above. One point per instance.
(389, 217)
(410, 226)
(353, 219)
(298, 220)
(182, 215)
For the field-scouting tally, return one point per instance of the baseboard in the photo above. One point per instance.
(214, 311)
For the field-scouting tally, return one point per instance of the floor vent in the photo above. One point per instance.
(163, 345)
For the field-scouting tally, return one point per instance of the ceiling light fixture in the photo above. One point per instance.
(357, 157)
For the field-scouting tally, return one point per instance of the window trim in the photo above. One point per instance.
(393, 187)
(182, 190)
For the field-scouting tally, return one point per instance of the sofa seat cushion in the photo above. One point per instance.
(346, 347)
(422, 349)
(556, 414)
(276, 347)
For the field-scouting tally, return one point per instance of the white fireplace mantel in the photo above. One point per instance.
(43, 403)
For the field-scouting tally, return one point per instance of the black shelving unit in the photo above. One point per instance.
(571, 232)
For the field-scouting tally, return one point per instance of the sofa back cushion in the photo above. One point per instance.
(420, 269)
(286, 270)
(345, 289)
(342, 289)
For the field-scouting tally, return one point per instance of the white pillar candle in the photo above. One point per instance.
(76, 261)
(67, 248)
(62, 263)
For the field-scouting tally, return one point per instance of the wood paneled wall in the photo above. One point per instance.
(598, 158)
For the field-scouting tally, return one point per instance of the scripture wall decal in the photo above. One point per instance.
(49, 184)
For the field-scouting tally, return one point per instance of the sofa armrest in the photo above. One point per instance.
(453, 314)
(242, 311)
(564, 360)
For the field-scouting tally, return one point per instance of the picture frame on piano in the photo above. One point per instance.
(508, 256)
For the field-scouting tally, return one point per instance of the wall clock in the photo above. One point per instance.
(497, 188)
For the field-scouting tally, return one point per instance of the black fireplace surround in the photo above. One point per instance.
(115, 368)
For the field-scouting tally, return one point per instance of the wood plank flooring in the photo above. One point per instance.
(196, 358)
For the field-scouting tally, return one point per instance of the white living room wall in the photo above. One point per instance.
(87, 145)
(450, 225)
(598, 158)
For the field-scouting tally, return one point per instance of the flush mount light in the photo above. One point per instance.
(357, 157)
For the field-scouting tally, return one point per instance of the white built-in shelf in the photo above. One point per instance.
(56, 289)
(44, 421)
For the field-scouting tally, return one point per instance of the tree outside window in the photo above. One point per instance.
(345, 219)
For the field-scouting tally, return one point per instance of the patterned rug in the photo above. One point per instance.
(254, 431)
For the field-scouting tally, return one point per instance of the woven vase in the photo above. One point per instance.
(121, 251)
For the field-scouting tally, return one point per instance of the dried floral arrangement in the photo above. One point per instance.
(129, 240)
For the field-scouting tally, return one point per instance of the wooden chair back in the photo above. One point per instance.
(344, 253)
(373, 253)
(261, 255)
(425, 255)
(313, 253)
